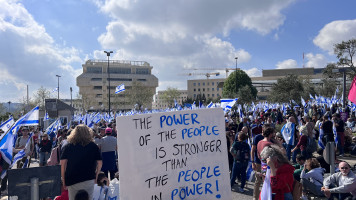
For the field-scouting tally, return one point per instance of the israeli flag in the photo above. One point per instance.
(175, 103)
(55, 89)
(53, 128)
(335, 134)
(266, 192)
(321, 135)
(302, 101)
(46, 117)
(23, 152)
(227, 103)
(210, 105)
(288, 132)
(7, 125)
(120, 88)
(7, 142)
(311, 97)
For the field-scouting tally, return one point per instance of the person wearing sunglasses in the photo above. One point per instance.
(340, 185)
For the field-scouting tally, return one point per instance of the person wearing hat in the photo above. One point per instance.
(45, 149)
(108, 152)
(21, 144)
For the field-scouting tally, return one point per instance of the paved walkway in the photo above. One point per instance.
(247, 195)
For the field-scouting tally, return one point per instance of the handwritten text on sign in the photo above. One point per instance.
(173, 155)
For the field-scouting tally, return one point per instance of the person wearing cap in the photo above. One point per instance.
(108, 152)
(21, 144)
(45, 149)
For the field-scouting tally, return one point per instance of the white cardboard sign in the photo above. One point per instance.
(173, 155)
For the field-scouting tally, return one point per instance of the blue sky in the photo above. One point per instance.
(42, 38)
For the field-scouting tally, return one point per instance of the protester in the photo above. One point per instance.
(256, 166)
(45, 149)
(21, 144)
(80, 162)
(312, 180)
(327, 127)
(340, 129)
(281, 172)
(101, 187)
(303, 142)
(299, 167)
(108, 152)
(342, 184)
(240, 151)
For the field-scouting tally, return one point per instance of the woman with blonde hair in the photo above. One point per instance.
(303, 142)
(80, 162)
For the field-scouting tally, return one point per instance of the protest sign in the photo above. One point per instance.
(173, 155)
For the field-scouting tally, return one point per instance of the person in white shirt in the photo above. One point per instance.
(108, 152)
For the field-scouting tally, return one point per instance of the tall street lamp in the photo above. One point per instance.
(58, 76)
(9, 105)
(236, 74)
(108, 55)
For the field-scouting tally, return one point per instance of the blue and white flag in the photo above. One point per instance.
(120, 88)
(55, 89)
(227, 103)
(7, 125)
(311, 97)
(266, 192)
(335, 134)
(7, 142)
(23, 152)
(302, 101)
(321, 135)
(53, 128)
(210, 105)
(288, 132)
(46, 117)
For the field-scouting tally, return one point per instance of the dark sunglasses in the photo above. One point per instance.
(344, 168)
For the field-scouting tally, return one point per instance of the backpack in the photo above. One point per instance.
(311, 145)
(297, 190)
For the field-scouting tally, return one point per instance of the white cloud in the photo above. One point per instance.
(253, 72)
(335, 32)
(175, 35)
(287, 64)
(30, 56)
(316, 61)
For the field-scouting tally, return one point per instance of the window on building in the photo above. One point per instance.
(208, 89)
(194, 84)
(198, 89)
(212, 83)
(98, 87)
(99, 95)
(218, 95)
(96, 79)
(217, 89)
(100, 103)
(203, 89)
(195, 95)
(213, 95)
(208, 83)
(212, 89)
(198, 84)
(116, 70)
(141, 80)
(195, 89)
(208, 95)
(203, 83)
(95, 70)
(142, 71)
(120, 79)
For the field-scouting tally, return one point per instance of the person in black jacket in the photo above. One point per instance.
(45, 149)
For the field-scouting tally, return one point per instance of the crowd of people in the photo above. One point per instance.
(297, 167)
(88, 157)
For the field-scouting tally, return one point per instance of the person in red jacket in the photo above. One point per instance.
(281, 172)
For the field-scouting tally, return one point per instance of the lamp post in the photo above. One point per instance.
(236, 74)
(58, 76)
(108, 55)
(9, 106)
(71, 102)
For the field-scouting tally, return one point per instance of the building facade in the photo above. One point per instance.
(204, 87)
(94, 83)
(161, 103)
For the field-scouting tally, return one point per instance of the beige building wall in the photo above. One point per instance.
(208, 87)
(94, 85)
(159, 103)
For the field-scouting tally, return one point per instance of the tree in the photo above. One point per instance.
(309, 88)
(345, 51)
(140, 94)
(329, 80)
(231, 84)
(245, 95)
(286, 89)
(40, 96)
(170, 95)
